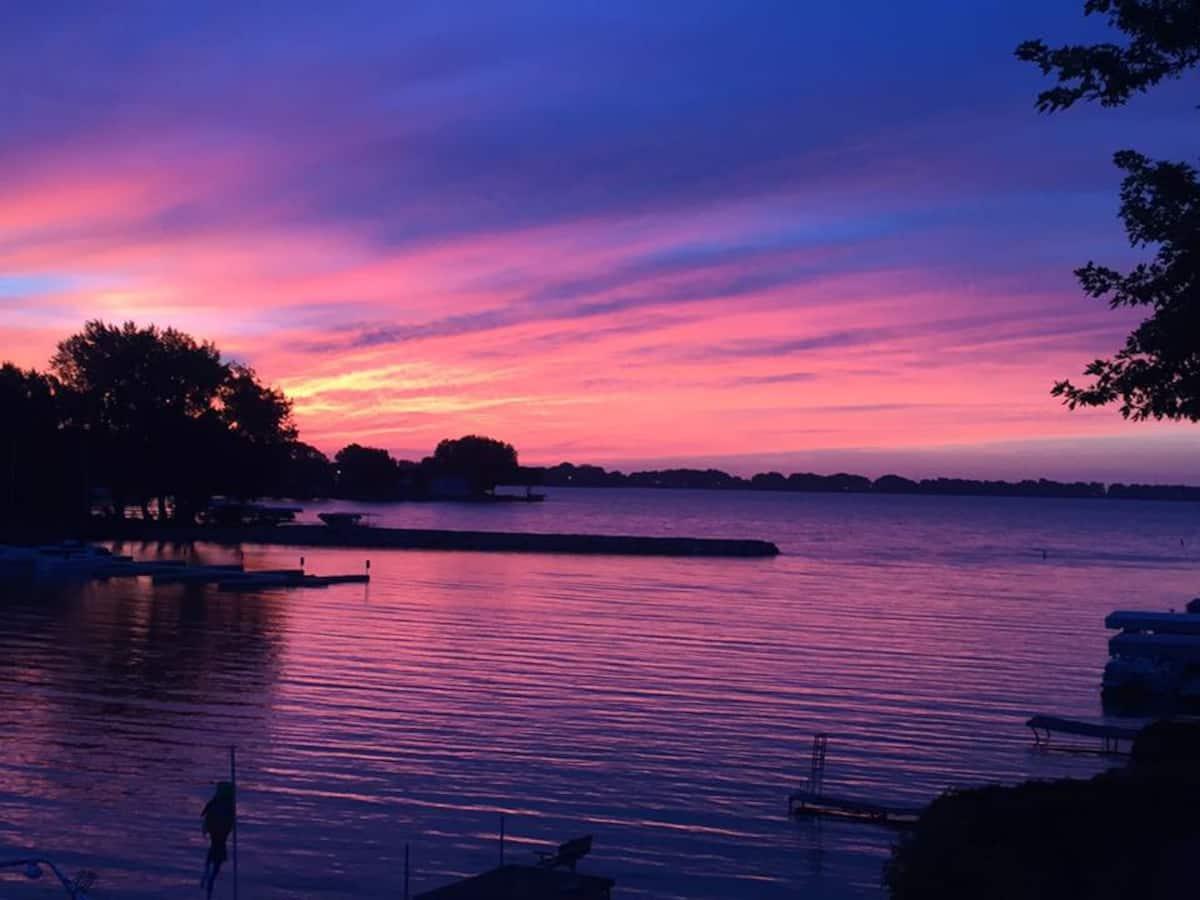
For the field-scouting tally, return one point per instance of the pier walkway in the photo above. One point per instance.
(1110, 736)
(806, 803)
(812, 801)
(76, 561)
(514, 882)
(368, 537)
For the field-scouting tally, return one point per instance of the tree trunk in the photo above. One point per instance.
(185, 510)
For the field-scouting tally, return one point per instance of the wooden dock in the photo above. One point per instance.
(214, 574)
(131, 568)
(553, 878)
(196, 574)
(807, 803)
(226, 577)
(815, 803)
(516, 882)
(252, 581)
(1110, 736)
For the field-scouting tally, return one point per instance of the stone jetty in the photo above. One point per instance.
(369, 537)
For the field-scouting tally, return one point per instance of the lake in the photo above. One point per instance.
(666, 706)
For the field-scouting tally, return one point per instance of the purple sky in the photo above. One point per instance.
(765, 234)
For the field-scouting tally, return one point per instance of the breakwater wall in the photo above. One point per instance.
(436, 539)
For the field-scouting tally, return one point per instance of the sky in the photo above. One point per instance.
(748, 234)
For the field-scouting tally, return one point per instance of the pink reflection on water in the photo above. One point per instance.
(665, 705)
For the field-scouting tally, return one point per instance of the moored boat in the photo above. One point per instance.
(1154, 659)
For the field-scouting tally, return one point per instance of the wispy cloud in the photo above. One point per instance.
(776, 378)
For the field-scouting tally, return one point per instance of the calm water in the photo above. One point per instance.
(667, 706)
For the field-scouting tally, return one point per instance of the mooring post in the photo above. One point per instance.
(816, 774)
(501, 839)
(233, 781)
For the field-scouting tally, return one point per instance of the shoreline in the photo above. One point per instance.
(1165, 493)
(371, 537)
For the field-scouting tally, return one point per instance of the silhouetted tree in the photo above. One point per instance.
(894, 484)
(307, 473)
(260, 433)
(482, 461)
(148, 397)
(1157, 373)
(769, 481)
(167, 419)
(570, 475)
(366, 473)
(43, 466)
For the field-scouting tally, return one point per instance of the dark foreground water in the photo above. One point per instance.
(665, 705)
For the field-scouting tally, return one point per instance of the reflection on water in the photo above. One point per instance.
(113, 699)
(665, 705)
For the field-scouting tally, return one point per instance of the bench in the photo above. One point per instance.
(566, 854)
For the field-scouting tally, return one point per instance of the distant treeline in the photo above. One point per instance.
(465, 468)
(570, 475)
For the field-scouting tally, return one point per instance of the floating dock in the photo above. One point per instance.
(252, 581)
(553, 878)
(807, 803)
(82, 561)
(230, 577)
(514, 882)
(1110, 736)
(197, 574)
(368, 537)
(204, 574)
(814, 802)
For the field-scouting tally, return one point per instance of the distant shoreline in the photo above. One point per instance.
(570, 475)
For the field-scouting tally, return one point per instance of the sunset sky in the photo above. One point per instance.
(750, 234)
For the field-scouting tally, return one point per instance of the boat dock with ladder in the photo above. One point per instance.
(804, 803)
(812, 801)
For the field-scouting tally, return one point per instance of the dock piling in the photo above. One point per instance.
(816, 773)
(233, 781)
